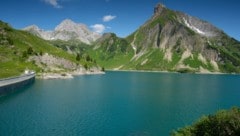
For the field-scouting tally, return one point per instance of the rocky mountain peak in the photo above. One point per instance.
(180, 42)
(32, 27)
(68, 21)
(69, 25)
(66, 30)
(159, 8)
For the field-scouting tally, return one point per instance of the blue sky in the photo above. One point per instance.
(121, 16)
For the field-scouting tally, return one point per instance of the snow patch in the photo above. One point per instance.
(193, 27)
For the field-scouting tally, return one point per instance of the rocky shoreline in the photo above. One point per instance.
(153, 71)
(66, 75)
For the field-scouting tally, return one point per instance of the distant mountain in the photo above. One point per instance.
(171, 41)
(66, 30)
(20, 50)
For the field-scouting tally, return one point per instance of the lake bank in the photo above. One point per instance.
(66, 75)
(149, 71)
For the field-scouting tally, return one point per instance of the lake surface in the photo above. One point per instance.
(116, 104)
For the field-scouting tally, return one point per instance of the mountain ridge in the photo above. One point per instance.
(174, 41)
(168, 41)
(66, 30)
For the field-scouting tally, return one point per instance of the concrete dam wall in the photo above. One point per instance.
(8, 85)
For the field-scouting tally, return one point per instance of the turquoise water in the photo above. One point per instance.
(116, 104)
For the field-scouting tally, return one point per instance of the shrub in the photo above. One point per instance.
(29, 50)
(41, 53)
(88, 58)
(78, 57)
(223, 123)
(24, 54)
(103, 69)
(86, 66)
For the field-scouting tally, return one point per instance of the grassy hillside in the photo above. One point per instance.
(111, 52)
(229, 51)
(72, 46)
(17, 46)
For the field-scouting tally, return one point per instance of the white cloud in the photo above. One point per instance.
(54, 3)
(99, 28)
(108, 18)
(108, 27)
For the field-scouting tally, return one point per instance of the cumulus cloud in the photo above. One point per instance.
(108, 18)
(99, 28)
(54, 3)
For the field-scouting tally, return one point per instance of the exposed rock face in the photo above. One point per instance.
(170, 30)
(158, 9)
(201, 27)
(52, 63)
(174, 41)
(66, 30)
(34, 29)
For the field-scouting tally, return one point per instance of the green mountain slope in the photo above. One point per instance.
(71, 46)
(21, 50)
(111, 52)
(170, 41)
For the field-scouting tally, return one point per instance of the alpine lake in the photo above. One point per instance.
(116, 104)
